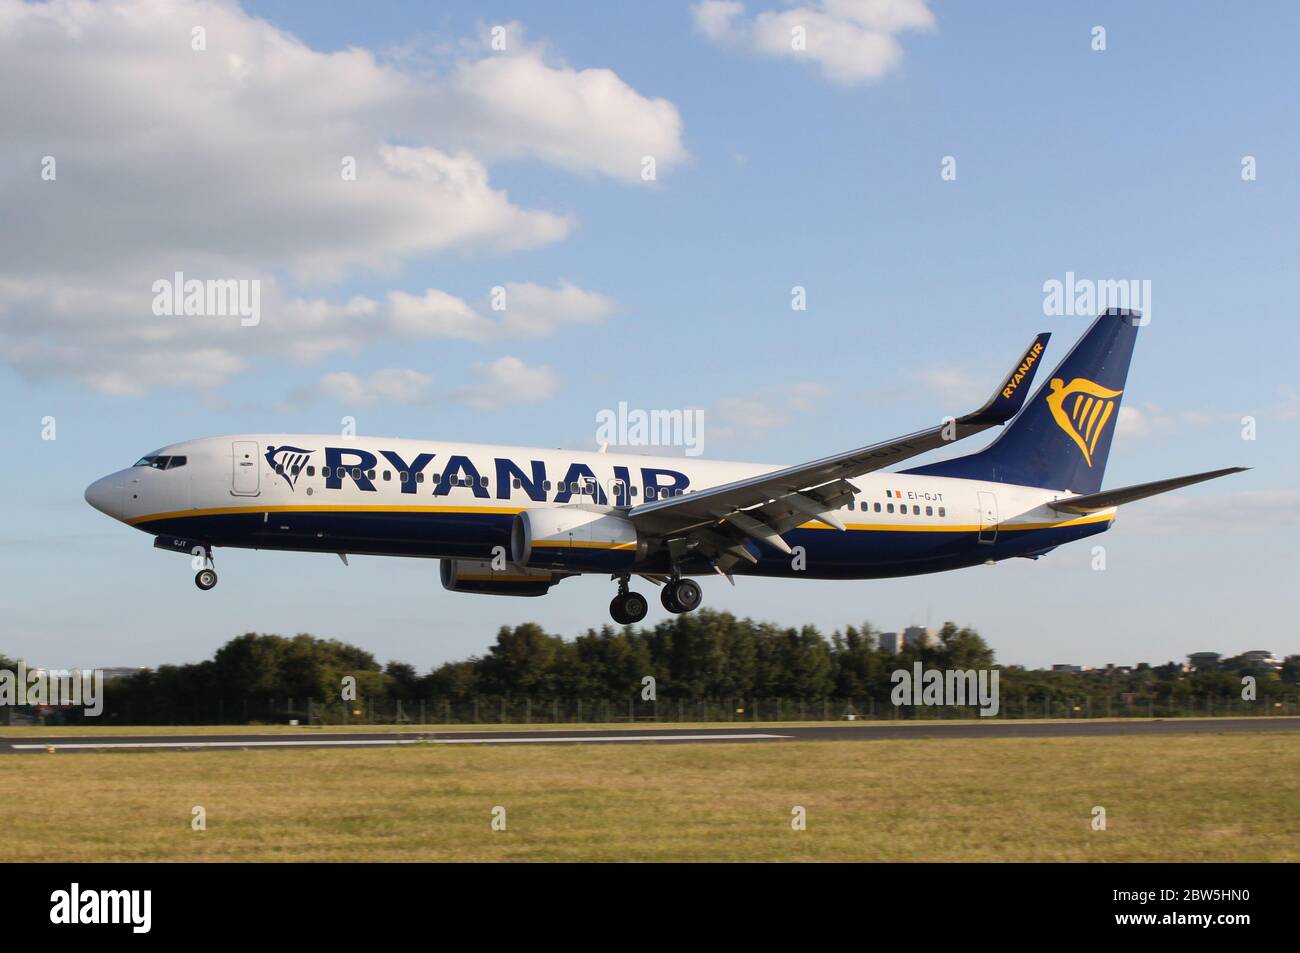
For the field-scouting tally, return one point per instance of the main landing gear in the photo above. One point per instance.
(678, 595)
(628, 607)
(682, 595)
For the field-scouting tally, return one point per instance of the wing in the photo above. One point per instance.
(716, 521)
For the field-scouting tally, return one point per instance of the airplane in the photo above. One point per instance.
(518, 520)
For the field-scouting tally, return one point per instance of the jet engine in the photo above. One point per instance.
(576, 539)
(473, 575)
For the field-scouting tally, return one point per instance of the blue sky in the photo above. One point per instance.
(1124, 163)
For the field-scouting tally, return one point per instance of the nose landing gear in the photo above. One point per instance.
(206, 577)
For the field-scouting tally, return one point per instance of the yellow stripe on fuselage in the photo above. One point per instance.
(323, 508)
(581, 544)
(947, 528)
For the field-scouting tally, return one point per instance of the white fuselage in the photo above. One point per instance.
(393, 496)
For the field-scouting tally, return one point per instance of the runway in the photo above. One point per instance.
(17, 743)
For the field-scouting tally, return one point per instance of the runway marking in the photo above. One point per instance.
(566, 739)
(514, 741)
(220, 744)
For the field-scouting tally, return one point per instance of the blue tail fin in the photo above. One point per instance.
(1062, 437)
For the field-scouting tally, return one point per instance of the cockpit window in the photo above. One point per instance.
(161, 462)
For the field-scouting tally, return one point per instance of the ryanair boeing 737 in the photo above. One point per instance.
(518, 520)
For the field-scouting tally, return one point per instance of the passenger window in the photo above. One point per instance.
(325, 472)
(387, 475)
(877, 507)
(482, 481)
(404, 477)
(916, 510)
(311, 471)
(889, 507)
(370, 474)
(942, 511)
(634, 491)
(929, 511)
(517, 484)
(849, 505)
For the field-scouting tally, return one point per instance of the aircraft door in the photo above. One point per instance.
(246, 471)
(616, 491)
(988, 517)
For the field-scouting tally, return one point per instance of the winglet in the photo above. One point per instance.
(1010, 397)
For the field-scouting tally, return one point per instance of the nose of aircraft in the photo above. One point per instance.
(105, 495)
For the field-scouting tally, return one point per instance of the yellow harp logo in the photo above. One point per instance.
(1082, 409)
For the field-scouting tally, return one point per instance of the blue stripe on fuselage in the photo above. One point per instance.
(854, 554)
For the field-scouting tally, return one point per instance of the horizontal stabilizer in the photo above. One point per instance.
(1092, 502)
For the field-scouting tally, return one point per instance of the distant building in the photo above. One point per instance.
(1204, 661)
(1263, 658)
(1067, 668)
(919, 636)
(121, 671)
(890, 642)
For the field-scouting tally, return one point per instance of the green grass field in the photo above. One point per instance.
(1185, 798)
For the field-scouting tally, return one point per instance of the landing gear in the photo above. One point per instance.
(628, 607)
(682, 595)
(205, 579)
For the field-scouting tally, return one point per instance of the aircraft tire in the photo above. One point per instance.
(629, 608)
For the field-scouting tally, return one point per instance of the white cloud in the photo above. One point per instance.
(853, 41)
(734, 418)
(508, 381)
(534, 311)
(1132, 422)
(588, 120)
(110, 341)
(716, 19)
(396, 385)
(227, 163)
(952, 385)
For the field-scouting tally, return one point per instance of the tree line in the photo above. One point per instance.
(703, 655)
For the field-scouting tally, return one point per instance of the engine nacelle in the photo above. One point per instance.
(473, 575)
(576, 539)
